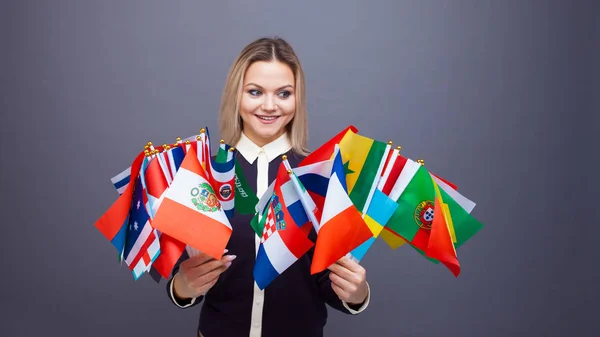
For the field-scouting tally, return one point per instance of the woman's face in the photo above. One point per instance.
(268, 103)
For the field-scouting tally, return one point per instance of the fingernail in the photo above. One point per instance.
(231, 257)
(226, 250)
(227, 264)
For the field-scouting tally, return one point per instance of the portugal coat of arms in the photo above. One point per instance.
(424, 214)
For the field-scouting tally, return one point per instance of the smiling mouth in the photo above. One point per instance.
(267, 118)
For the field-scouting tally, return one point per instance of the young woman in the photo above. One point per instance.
(263, 112)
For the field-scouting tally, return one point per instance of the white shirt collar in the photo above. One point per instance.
(250, 150)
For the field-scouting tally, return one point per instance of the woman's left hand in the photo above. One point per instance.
(349, 281)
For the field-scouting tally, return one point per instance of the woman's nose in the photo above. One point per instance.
(269, 104)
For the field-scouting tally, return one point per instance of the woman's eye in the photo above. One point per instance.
(254, 92)
(284, 94)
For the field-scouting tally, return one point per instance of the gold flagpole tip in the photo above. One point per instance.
(284, 157)
(187, 141)
(289, 171)
(421, 161)
(167, 147)
(198, 138)
(178, 139)
(202, 130)
(231, 149)
(149, 144)
(390, 142)
(221, 141)
(399, 148)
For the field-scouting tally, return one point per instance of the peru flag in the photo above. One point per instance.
(191, 213)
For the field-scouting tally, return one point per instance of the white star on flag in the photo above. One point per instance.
(135, 225)
(138, 205)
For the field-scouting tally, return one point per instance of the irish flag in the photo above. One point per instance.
(191, 212)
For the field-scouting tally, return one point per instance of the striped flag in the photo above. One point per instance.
(283, 241)
(191, 213)
(142, 245)
(342, 227)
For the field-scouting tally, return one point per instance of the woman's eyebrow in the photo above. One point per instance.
(258, 86)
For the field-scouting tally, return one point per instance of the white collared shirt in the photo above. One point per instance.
(264, 155)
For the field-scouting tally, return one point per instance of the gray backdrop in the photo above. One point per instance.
(500, 97)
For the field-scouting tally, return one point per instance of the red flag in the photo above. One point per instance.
(113, 219)
(440, 246)
(325, 151)
(170, 251)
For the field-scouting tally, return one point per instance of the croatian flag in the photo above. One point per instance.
(283, 240)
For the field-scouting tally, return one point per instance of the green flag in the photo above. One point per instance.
(415, 204)
(244, 199)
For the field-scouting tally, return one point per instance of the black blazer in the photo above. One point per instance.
(294, 303)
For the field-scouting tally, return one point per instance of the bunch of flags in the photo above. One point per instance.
(349, 192)
(172, 198)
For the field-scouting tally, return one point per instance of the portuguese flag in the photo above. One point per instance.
(428, 218)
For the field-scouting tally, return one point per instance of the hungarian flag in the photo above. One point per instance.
(191, 212)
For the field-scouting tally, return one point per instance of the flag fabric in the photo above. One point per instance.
(325, 151)
(282, 242)
(142, 245)
(121, 180)
(342, 227)
(377, 216)
(440, 245)
(362, 159)
(245, 199)
(170, 248)
(191, 213)
(313, 179)
(352, 189)
(420, 202)
(113, 223)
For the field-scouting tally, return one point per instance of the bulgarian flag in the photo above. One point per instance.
(190, 211)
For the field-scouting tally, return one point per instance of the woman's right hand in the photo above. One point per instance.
(198, 274)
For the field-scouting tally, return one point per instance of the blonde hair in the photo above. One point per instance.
(263, 49)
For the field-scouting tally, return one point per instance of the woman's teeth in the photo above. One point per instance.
(267, 118)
